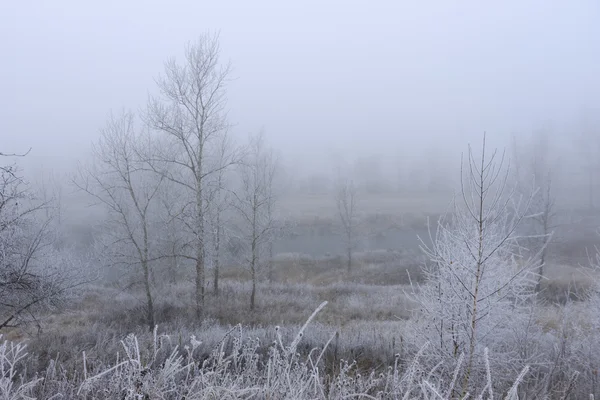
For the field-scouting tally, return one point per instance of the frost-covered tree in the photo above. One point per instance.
(254, 202)
(119, 179)
(34, 275)
(477, 287)
(191, 112)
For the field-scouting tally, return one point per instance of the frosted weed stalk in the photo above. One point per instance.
(238, 367)
(13, 386)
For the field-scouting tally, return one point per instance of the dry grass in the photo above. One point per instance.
(367, 307)
(564, 283)
(381, 268)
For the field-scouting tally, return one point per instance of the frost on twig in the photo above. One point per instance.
(478, 285)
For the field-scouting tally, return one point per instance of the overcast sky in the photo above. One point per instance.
(319, 76)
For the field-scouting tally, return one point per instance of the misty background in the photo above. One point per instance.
(398, 88)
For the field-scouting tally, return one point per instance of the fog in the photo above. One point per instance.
(424, 176)
(394, 79)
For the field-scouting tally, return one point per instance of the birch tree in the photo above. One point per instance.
(191, 112)
(255, 201)
(477, 285)
(118, 178)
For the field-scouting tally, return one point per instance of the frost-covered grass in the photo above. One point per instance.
(370, 319)
(239, 365)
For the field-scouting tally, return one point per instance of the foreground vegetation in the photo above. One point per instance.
(237, 367)
(359, 338)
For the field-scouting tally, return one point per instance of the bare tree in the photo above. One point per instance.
(345, 199)
(255, 201)
(33, 274)
(191, 112)
(477, 286)
(118, 178)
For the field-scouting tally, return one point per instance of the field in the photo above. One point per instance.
(365, 318)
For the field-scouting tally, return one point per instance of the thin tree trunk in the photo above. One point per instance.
(254, 248)
(253, 273)
(253, 294)
(199, 282)
(480, 260)
(147, 274)
(216, 258)
(200, 273)
(217, 262)
(149, 301)
(152, 274)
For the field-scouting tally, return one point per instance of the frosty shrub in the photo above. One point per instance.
(478, 288)
(34, 275)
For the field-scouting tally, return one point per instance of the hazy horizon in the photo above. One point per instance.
(395, 80)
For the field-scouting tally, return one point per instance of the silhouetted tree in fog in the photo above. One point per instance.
(119, 179)
(191, 112)
(254, 201)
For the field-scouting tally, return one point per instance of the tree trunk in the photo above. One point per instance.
(254, 248)
(480, 260)
(253, 294)
(199, 282)
(149, 301)
(200, 277)
(253, 273)
(217, 258)
(216, 279)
